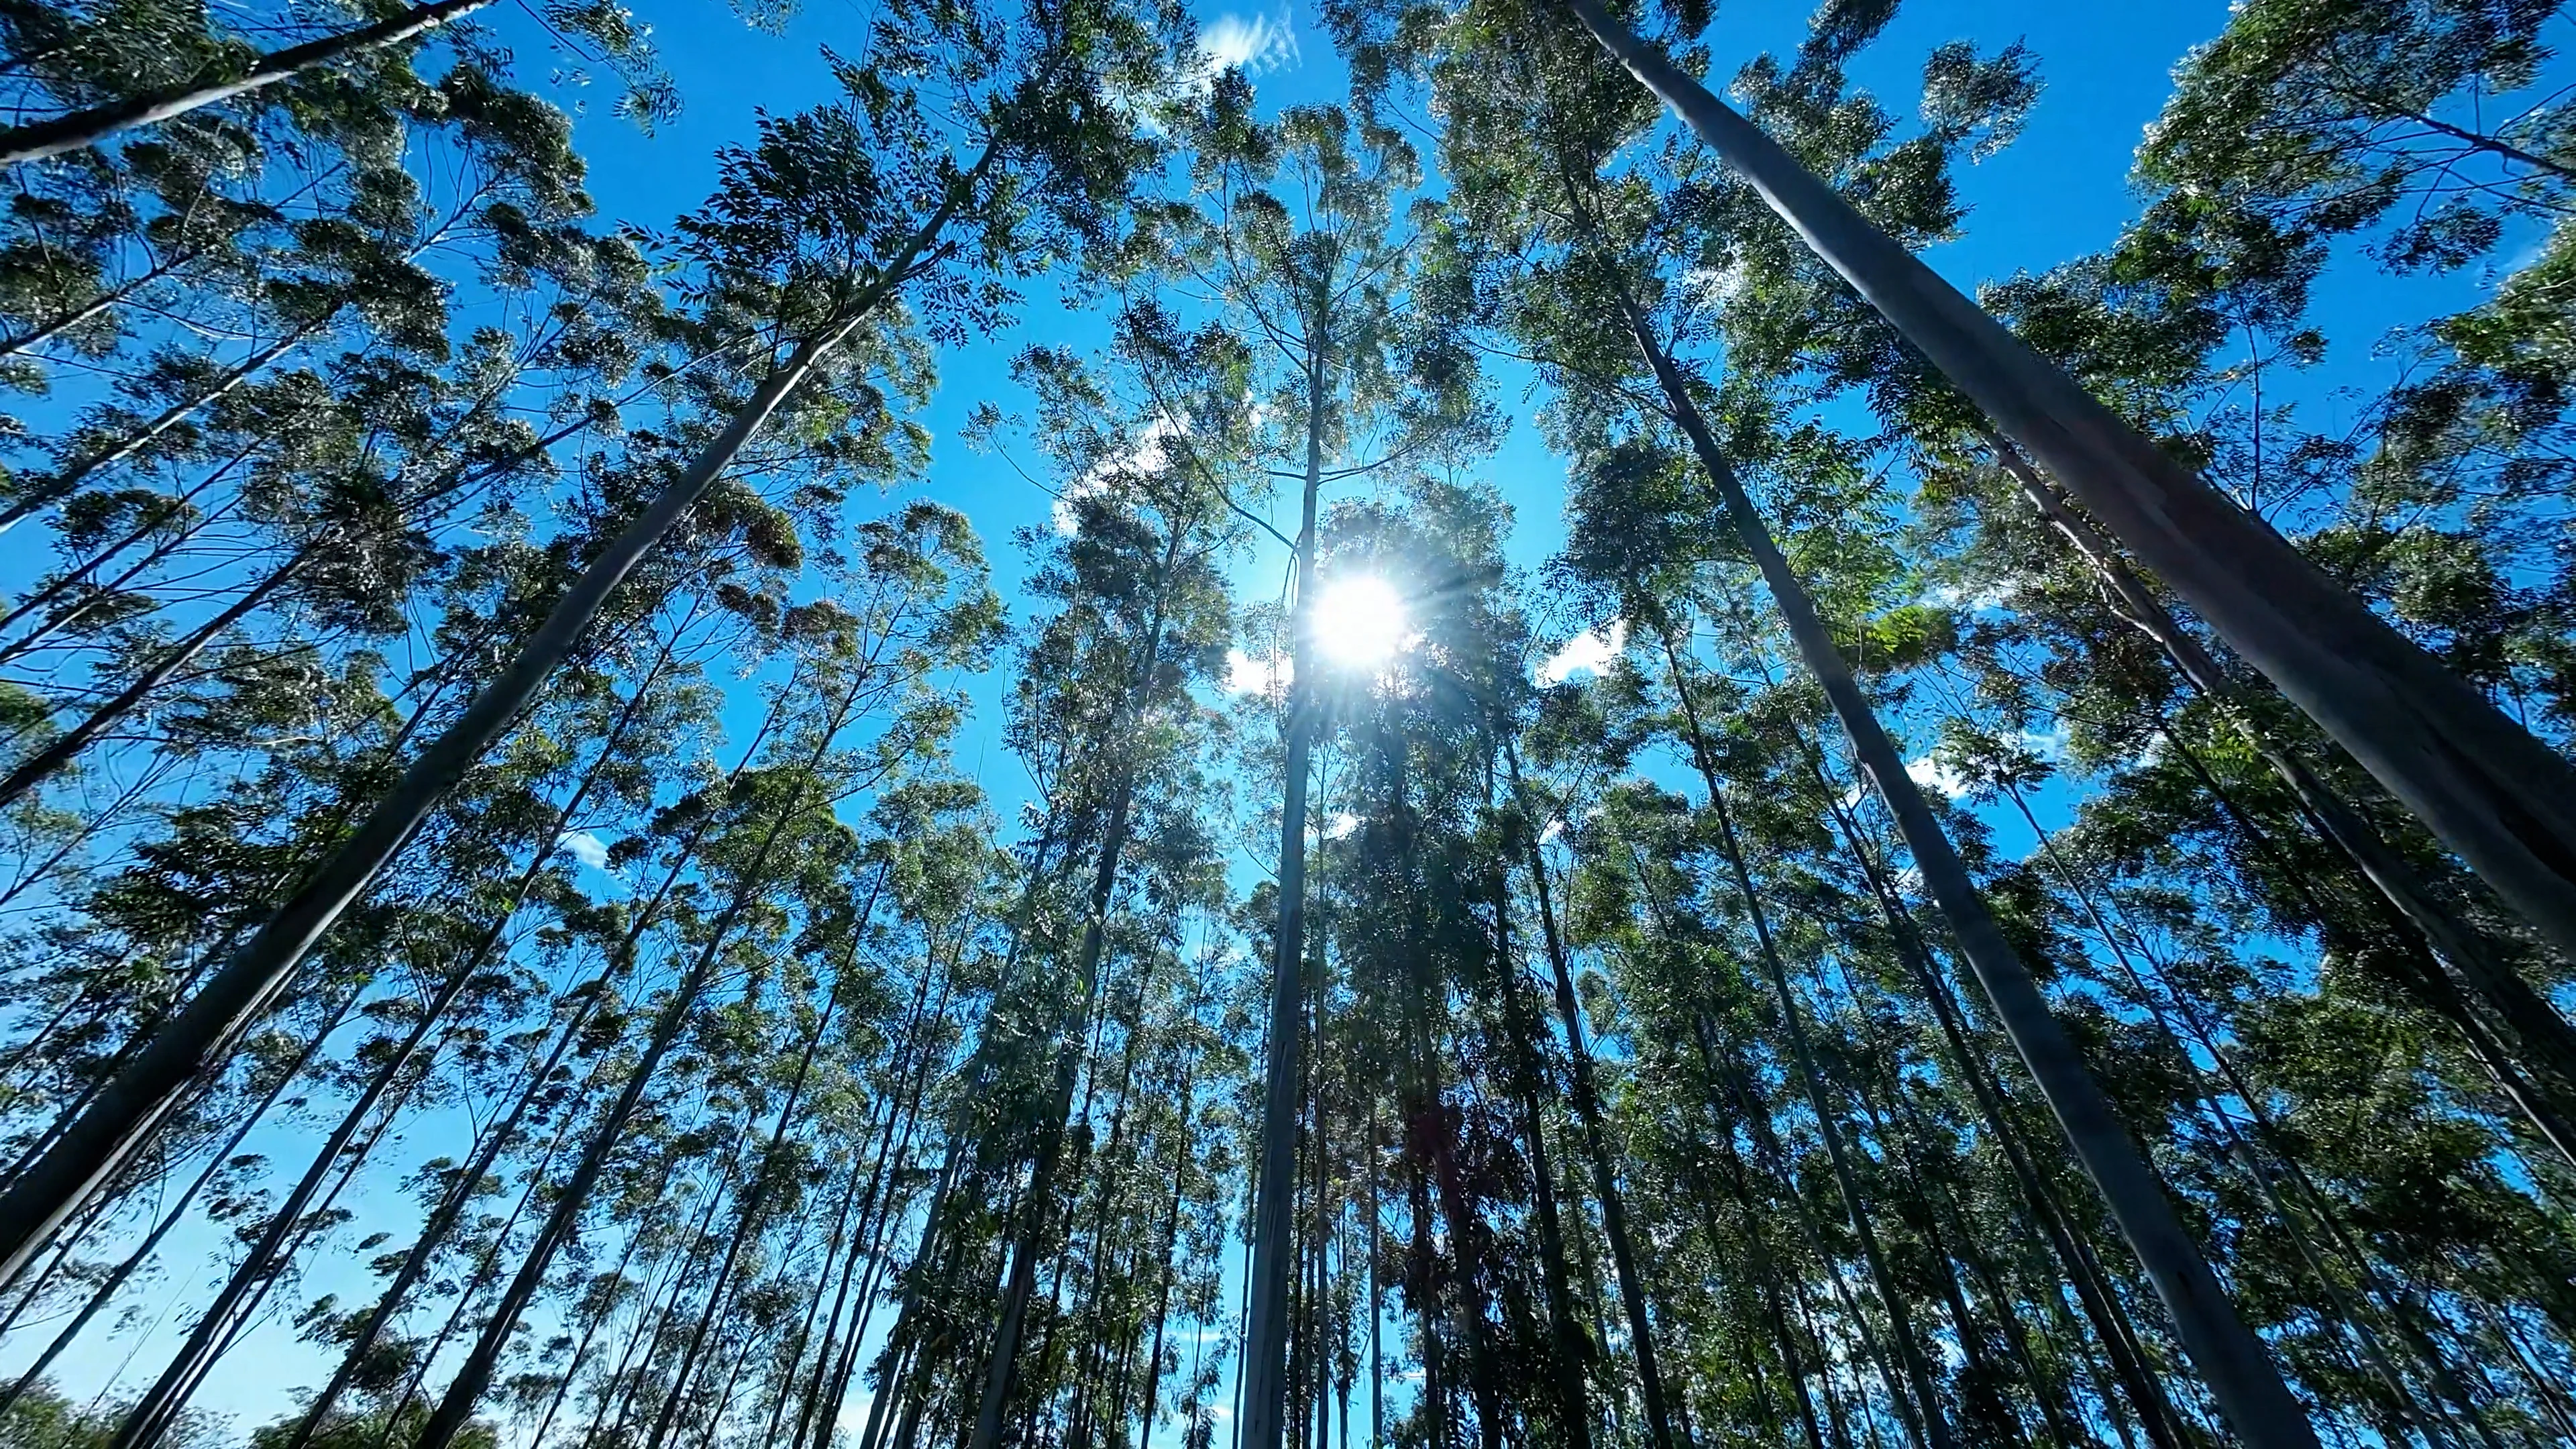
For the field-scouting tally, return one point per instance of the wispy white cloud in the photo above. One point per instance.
(1146, 457)
(1933, 774)
(2050, 744)
(1341, 825)
(1247, 675)
(1257, 43)
(587, 848)
(1985, 600)
(1591, 652)
(1554, 829)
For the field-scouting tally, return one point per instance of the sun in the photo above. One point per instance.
(1360, 621)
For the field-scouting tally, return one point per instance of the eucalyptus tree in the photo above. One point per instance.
(815, 233)
(2456, 760)
(916, 607)
(1293, 231)
(1146, 528)
(1598, 297)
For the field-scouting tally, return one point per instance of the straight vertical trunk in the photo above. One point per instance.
(1265, 1347)
(1596, 1142)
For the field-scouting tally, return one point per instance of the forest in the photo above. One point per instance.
(1625, 777)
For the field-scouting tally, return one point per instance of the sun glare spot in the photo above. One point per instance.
(1360, 621)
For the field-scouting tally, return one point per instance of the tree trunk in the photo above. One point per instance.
(45, 763)
(2231, 1359)
(2545, 1036)
(1929, 1415)
(151, 1414)
(2499, 797)
(1596, 1142)
(456, 1407)
(62, 485)
(747, 1210)
(2136, 1379)
(1029, 1239)
(87, 128)
(135, 1103)
(1265, 1348)
(1566, 1333)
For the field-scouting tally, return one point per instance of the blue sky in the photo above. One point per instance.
(2062, 191)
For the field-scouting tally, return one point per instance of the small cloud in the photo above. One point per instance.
(2050, 745)
(1257, 43)
(1590, 652)
(1341, 825)
(1146, 457)
(1554, 829)
(1936, 775)
(585, 847)
(1247, 675)
(1985, 600)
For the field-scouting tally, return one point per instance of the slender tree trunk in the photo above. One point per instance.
(1565, 1332)
(1029, 1239)
(1929, 1416)
(2544, 1034)
(2499, 797)
(457, 1405)
(145, 1422)
(208, 1026)
(747, 1209)
(2136, 1379)
(170, 1218)
(87, 128)
(54, 488)
(2231, 1359)
(1265, 1349)
(45, 763)
(1596, 1141)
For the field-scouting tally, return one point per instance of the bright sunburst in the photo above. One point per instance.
(1359, 620)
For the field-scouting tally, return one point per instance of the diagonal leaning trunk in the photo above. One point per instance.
(2491, 791)
(2543, 1035)
(87, 128)
(2231, 1360)
(131, 1108)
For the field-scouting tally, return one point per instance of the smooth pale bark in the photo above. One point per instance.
(2136, 1379)
(50, 491)
(2545, 1036)
(87, 128)
(1030, 1235)
(2491, 791)
(170, 1218)
(460, 1191)
(1265, 1351)
(747, 1210)
(67, 747)
(456, 1406)
(132, 1107)
(2231, 1360)
(152, 1414)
